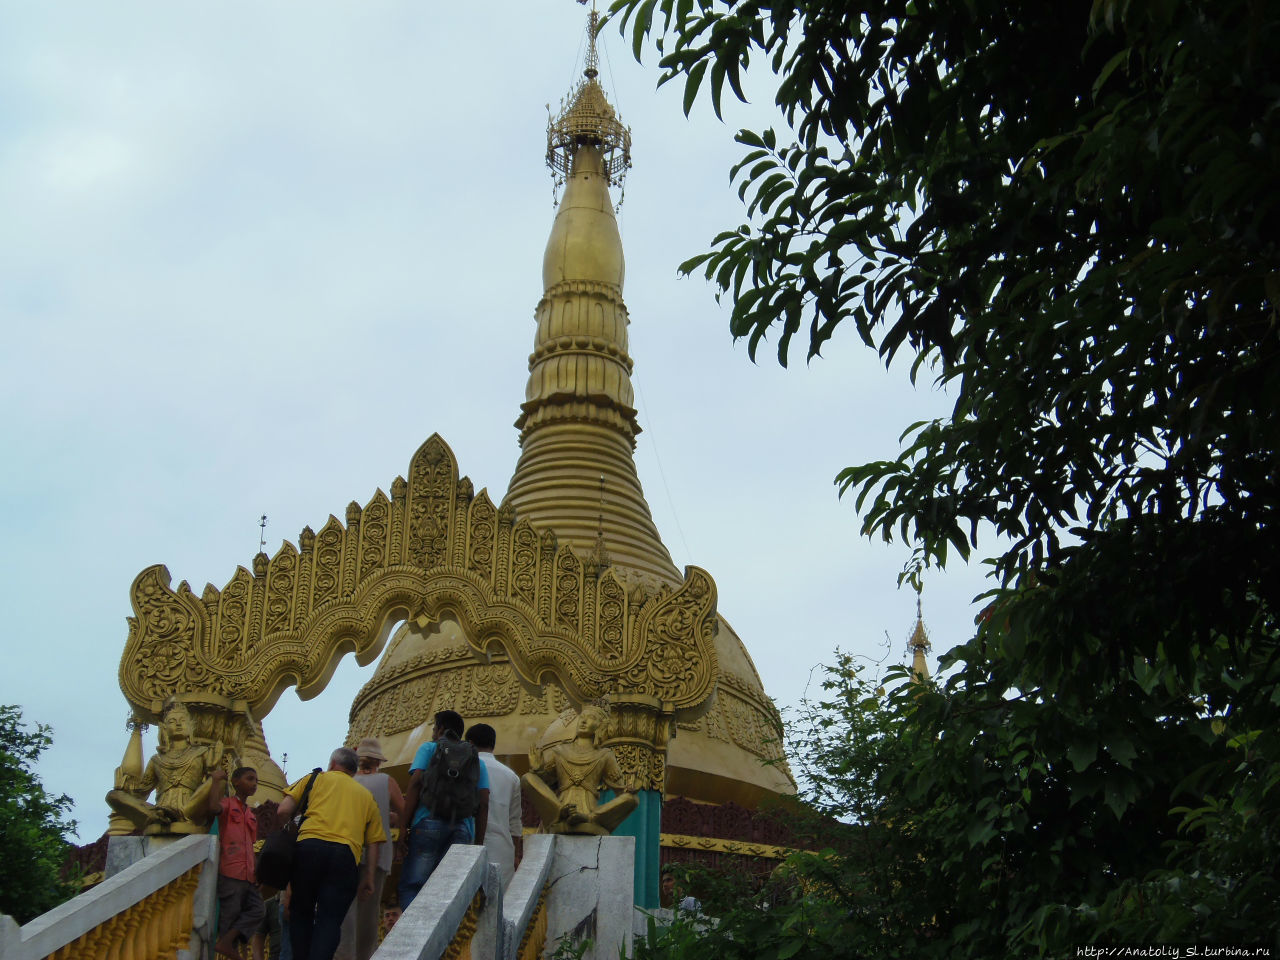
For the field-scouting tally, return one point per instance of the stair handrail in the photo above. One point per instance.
(446, 911)
(80, 917)
(524, 903)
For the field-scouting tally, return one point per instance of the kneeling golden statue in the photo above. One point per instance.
(578, 769)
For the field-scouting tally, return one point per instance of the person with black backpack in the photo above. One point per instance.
(447, 802)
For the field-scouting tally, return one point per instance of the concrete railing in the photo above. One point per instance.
(462, 898)
(524, 910)
(161, 907)
(461, 911)
(158, 908)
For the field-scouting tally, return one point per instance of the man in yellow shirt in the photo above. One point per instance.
(341, 818)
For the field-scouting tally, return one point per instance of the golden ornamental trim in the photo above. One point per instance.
(573, 287)
(572, 343)
(741, 848)
(460, 945)
(433, 549)
(535, 934)
(155, 927)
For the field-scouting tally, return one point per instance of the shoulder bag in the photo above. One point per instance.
(275, 859)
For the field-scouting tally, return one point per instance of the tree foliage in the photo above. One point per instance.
(1069, 217)
(33, 825)
(844, 897)
(976, 823)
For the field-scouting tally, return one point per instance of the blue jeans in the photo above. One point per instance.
(325, 880)
(428, 841)
(286, 948)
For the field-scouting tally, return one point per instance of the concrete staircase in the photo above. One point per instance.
(161, 907)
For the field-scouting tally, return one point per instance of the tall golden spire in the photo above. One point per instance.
(918, 644)
(578, 421)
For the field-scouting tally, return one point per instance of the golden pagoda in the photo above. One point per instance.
(509, 613)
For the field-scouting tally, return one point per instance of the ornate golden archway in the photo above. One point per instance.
(432, 549)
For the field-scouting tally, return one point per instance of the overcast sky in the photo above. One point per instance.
(253, 254)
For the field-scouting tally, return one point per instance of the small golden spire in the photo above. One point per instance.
(600, 554)
(918, 644)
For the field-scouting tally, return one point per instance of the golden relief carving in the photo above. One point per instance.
(747, 728)
(492, 691)
(524, 563)
(752, 720)
(464, 493)
(550, 700)
(373, 533)
(546, 556)
(483, 528)
(390, 705)
(328, 563)
(403, 711)
(281, 580)
(569, 573)
(715, 721)
(677, 629)
(751, 692)
(400, 710)
(639, 728)
(422, 661)
(613, 615)
(350, 543)
(233, 609)
(433, 549)
(642, 766)
(740, 714)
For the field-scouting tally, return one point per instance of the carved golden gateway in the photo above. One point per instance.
(432, 550)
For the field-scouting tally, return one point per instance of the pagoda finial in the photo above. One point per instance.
(587, 119)
(918, 643)
(593, 30)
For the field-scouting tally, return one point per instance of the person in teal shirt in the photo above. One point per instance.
(430, 836)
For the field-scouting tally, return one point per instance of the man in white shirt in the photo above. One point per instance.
(504, 840)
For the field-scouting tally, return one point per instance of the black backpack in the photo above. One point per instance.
(450, 782)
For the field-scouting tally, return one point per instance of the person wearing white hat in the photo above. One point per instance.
(360, 927)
